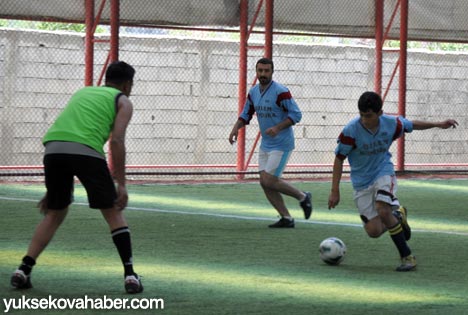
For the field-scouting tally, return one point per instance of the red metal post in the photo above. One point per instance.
(380, 15)
(268, 51)
(114, 29)
(89, 42)
(244, 16)
(114, 51)
(402, 80)
(269, 28)
(379, 41)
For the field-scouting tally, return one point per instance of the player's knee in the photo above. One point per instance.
(373, 233)
(56, 217)
(371, 227)
(267, 181)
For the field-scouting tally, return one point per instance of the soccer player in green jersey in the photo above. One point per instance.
(74, 147)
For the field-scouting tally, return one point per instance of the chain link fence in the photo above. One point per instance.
(186, 88)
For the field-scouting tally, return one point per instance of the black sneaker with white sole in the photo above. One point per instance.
(283, 223)
(19, 280)
(133, 284)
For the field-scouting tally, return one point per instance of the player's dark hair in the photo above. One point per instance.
(265, 61)
(119, 72)
(370, 101)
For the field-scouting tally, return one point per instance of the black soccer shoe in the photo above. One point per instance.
(19, 280)
(408, 263)
(283, 223)
(133, 284)
(306, 205)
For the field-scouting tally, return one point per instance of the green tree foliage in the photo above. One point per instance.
(52, 26)
(431, 46)
(48, 26)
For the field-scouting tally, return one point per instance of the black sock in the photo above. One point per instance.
(27, 264)
(398, 237)
(122, 241)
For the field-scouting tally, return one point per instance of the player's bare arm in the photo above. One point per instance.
(423, 125)
(334, 198)
(117, 147)
(273, 131)
(235, 131)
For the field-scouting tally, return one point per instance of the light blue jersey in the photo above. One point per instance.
(272, 106)
(368, 153)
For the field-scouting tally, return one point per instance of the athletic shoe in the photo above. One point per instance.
(408, 263)
(133, 284)
(402, 213)
(283, 223)
(306, 205)
(20, 280)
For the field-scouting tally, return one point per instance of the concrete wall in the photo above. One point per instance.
(186, 96)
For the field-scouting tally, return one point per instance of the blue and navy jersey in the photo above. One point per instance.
(272, 106)
(368, 153)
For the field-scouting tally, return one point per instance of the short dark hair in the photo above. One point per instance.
(119, 72)
(265, 61)
(370, 101)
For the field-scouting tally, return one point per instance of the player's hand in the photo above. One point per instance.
(233, 135)
(122, 197)
(273, 131)
(449, 123)
(333, 199)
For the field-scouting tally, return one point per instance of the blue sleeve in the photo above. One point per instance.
(402, 125)
(248, 111)
(294, 113)
(407, 124)
(346, 143)
(287, 102)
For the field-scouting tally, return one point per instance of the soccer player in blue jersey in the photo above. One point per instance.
(365, 141)
(277, 112)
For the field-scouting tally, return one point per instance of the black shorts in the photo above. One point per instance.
(92, 172)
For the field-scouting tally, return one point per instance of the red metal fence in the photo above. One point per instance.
(191, 85)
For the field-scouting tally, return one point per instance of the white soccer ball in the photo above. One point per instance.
(332, 250)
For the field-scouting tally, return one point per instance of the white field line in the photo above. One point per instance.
(240, 217)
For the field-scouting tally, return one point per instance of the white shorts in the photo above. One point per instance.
(273, 162)
(383, 189)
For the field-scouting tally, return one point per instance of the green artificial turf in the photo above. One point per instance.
(206, 249)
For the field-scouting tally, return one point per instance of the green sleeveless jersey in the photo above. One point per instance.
(88, 118)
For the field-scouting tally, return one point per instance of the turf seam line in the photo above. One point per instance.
(233, 216)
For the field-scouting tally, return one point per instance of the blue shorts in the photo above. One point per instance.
(92, 172)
